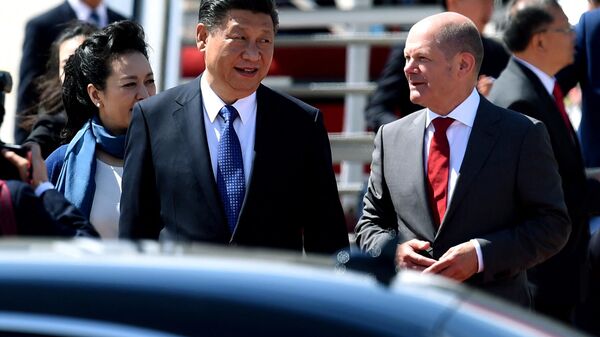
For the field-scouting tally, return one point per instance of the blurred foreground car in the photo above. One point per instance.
(93, 288)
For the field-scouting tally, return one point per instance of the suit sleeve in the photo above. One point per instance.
(69, 220)
(48, 215)
(546, 227)
(377, 224)
(140, 207)
(326, 231)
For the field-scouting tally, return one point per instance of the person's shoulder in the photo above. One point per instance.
(590, 17)
(57, 157)
(406, 121)
(179, 95)
(514, 119)
(51, 17)
(293, 107)
(114, 16)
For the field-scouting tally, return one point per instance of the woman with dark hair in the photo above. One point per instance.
(46, 119)
(104, 78)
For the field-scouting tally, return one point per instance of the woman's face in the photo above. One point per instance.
(131, 80)
(65, 50)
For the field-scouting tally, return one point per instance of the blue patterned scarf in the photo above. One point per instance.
(76, 180)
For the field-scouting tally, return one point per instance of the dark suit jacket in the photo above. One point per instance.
(46, 132)
(558, 279)
(169, 189)
(48, 215)
(586, 71)
(40, 32)
(392, 98)
(508, 197)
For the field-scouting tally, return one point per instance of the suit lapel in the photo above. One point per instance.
(424, 225)
(564, 138)
(481, 142)
(190, 122)
(264, 123)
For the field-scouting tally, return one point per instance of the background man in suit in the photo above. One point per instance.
(277, 189)
(542, 43)
(391, 99)
(586, 71)
(40, 32)
(481, 203)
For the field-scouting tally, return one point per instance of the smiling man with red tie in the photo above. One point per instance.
(470, 190)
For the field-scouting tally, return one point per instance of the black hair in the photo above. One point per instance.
(213, 12)
(524, 24)
(457, 38)
(48, 84)
(92, 63)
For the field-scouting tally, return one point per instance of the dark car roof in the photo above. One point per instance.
(206, 290)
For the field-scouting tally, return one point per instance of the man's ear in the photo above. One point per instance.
(466, 64)
(201, 36)
(538, 42)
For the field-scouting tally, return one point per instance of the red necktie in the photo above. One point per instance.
(437, 168)
(560, 104)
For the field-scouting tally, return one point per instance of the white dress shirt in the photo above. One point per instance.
(458, 137)
(244, 126)
(83, 11)
(105, 211)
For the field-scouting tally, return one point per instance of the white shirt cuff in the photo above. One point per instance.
(43, 187)
(479, 255)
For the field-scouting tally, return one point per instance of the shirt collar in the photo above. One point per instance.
(547, 81)
(213, 103)
(465, 112)
(83, 11)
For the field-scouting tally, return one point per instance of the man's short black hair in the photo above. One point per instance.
(523, 25)
(213, 12)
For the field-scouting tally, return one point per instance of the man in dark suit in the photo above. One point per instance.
(586, 71)
(32, 207)
(277, 189)
(391, 98)
(542, 43)
(40, 32)
(471, 190)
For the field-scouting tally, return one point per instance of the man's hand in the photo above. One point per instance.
(458, 263)
(407, 255)
(484, 84)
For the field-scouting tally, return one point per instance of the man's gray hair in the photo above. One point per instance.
(457, 38)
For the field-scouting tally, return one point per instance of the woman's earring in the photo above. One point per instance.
(98, 104)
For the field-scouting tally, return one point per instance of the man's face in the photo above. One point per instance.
(479, 11)
(238, 53)
(560, 40)
(429, 73)
(65, 50)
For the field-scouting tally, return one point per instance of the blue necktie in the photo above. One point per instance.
(230, 168)
(94, 19)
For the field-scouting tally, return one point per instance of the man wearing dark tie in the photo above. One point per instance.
(542, 43)
(40, 32)
(224, 159)
(470, 190)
